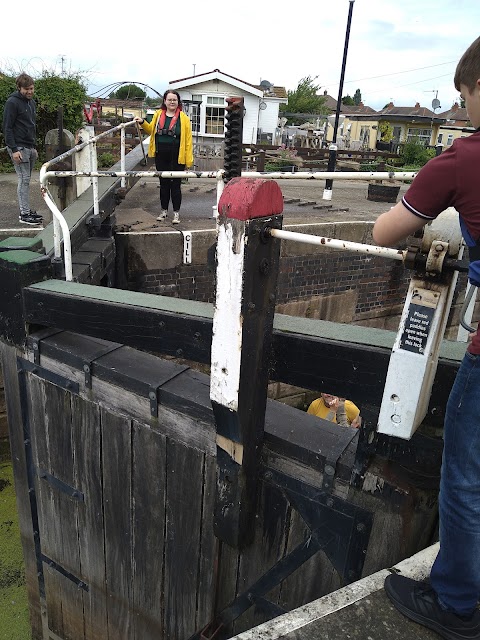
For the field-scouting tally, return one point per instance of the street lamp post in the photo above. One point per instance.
(332, 156)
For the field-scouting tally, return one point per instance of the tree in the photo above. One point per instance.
(304, 99)
(128, 91)
(348, 100)
(357, 98)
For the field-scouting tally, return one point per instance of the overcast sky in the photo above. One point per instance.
(405, 51)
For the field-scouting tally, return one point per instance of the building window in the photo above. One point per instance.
(215, 115)
(450, 139)
(194, 112)
(440, 138)
(422, 135)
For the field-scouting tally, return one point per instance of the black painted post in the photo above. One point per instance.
(247, 271)
(232, 153)
(332, 156)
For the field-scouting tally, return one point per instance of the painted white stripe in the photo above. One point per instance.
(227, 318)
(416, 212)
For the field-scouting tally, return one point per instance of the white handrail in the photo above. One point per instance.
(332, 243)
(60, 226)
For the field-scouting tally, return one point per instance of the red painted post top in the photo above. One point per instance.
(247, 198)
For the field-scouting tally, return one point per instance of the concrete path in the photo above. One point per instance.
(360, 611)
(140, 208)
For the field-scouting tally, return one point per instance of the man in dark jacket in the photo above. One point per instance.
(19, 130)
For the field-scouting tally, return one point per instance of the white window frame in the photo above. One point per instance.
(214, 125)
(423, 135)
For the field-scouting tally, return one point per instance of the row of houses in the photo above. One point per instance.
(360, 126)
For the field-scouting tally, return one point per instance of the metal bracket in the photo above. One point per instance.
(63, 487)
(436, 255)
(45, 374)
(88, 363)
(70, 576)
(35, 339)
(340, 529)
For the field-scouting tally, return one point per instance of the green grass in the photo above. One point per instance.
(14, 618)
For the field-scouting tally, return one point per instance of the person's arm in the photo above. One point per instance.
(9, 117)
(395, 225)
(146, 126)
(342, 419)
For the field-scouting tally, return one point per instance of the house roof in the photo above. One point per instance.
(356, 109)
(456, 116)
(274, 92)
(416, 111)
(456, 112)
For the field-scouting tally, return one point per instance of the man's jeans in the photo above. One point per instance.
(455, 574)
(24, 172)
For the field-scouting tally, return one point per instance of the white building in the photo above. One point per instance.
(204, 95)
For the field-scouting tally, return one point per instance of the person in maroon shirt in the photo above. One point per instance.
(447, 603)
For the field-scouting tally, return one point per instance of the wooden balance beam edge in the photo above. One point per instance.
(312, 354)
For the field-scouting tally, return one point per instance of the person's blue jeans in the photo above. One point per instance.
(455, 575)
(24, 172)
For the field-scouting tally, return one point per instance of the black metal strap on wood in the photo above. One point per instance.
(63, 487)
(70, 576)
(45, 374)
(340, 529)
(332, 456)
(35, 340)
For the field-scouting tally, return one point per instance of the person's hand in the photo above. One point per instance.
(138, 119)
(17, 157)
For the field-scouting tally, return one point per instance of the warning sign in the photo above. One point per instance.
(419, 320)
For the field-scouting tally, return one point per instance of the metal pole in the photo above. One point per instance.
(332, 157)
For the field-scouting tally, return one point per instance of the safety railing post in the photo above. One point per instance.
(247, 271)
(122, 156)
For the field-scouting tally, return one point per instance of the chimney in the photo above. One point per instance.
(390, 105)
(361, 105)
(417, 105)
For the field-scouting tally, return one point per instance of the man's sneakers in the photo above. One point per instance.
(163, 215)
(176, 217)
(418, 601)
(30, 218)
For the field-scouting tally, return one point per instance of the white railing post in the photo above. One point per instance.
(122, 155)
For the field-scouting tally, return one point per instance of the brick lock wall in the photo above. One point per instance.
(192, 282)
(378, 283)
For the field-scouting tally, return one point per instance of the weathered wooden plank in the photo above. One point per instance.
(58, 512)
(87, 447)
(182, 543)
(149, 469)
(16, 410)
(315, 577)
(266, 550)
(209, 548)
(117, 482)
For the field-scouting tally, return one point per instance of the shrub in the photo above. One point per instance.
(415, 154)
(105, 160)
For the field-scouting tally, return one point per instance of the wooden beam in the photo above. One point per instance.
(312, 354)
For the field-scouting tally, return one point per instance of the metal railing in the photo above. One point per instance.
(61, 231)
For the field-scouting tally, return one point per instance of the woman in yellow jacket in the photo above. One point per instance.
(171, 145)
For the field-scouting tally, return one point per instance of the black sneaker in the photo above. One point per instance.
(418, 601)
(34, 214)
(28, 219)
